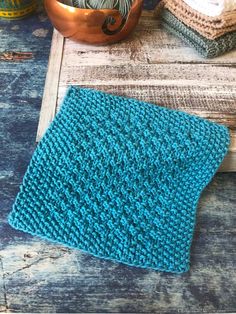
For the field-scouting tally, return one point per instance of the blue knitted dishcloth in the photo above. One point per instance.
(120, 179)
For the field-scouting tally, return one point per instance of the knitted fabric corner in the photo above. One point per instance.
(120, 179)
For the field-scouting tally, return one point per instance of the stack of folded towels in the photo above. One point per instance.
(207, 25)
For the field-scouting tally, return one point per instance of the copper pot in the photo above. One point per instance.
(92, 26)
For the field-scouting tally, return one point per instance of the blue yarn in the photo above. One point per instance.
(120, 179)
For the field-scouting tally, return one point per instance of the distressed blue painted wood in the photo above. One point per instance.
(38, 276)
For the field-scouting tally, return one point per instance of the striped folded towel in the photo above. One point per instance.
(209, 27)
(205, 47)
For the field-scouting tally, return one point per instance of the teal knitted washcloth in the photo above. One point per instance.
(120, 179)
(205, 47)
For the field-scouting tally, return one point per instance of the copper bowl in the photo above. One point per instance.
(92, 26)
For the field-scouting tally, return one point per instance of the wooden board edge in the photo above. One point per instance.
(229, 162)
(49, 100)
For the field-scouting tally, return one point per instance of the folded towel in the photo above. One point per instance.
(212, 7)
(209, 27)
(206, 47)
(120, 179)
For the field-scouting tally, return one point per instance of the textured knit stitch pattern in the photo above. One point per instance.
(207, 26)
(120, 179)
(205, 47)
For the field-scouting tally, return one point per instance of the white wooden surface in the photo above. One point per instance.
(49, 100)
(151, 65)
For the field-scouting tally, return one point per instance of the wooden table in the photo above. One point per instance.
(151, 65)
(37, 276)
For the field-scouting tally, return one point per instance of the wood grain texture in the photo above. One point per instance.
(151, 43)
(41, 277)
(152, 66)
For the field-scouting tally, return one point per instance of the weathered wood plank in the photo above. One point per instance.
(138, 52)
(147, 44)
(228, 165)
(47, 112)
(209, 99)
(207, 89)
(200, 75)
